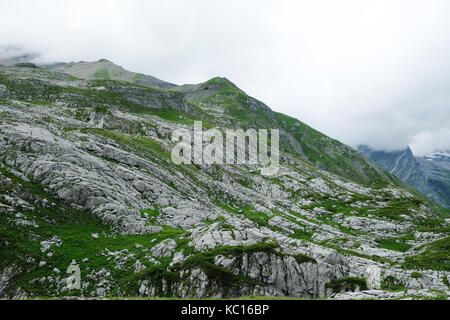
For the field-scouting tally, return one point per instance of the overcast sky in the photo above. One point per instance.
(364, 72)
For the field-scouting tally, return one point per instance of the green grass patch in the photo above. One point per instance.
(436, 256)
(391, 283)
(102, 74)
(347, 284)
(393, 244)
(301, 258)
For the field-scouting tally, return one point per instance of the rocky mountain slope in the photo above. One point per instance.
(430, 174)
(86, 179)
(106, 70)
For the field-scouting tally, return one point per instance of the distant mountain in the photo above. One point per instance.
(439, 158)
(106, 70)
(429, 174)
(93, 70)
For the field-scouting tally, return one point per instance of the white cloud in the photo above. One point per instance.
(428, 142)
(373, 72)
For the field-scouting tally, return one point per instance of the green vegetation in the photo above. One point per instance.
(347, 284)
(113, 95)
(159, 276)
(436, 256)
(301, 258)
(393, 244)
(151, 214)
(137, 78)
(258, 217)
(302, 235)
(391, 283)
(221, 276)
(102, 74)
(224, 277)
(398, 207)
(176, 116)
(146, 145)
(379, 184)
(445, 281)
(355, 253)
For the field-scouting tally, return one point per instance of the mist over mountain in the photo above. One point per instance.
(10, 55)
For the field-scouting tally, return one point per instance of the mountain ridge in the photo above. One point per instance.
(104, 69)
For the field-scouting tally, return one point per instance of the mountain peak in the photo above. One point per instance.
(104, 69)
(366, 150)
(220, 82)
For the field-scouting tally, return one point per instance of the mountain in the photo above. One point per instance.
(430, 174)
(87, 181)
(441, 159)
(301, 140)
(106, 70)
